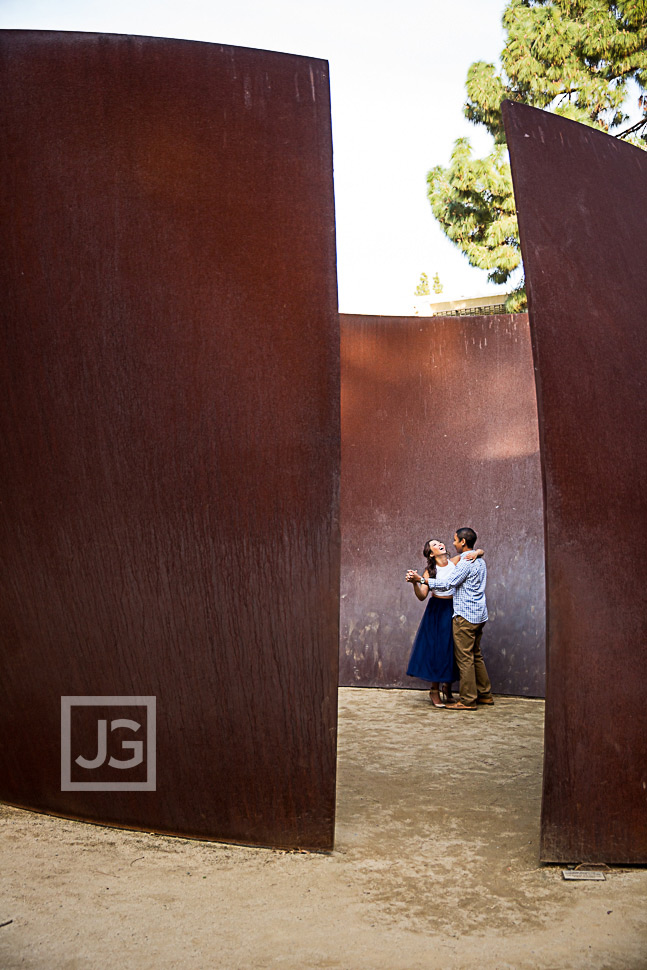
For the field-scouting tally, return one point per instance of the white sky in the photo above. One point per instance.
(398, 86)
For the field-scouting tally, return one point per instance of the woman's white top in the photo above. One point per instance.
(444, 573)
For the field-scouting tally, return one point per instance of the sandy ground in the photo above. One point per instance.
(435, 866)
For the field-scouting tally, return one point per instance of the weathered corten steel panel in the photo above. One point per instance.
(170, 428)
(439, 430)
(582, 202)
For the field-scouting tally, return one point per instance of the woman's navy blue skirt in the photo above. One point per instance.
(432, 656)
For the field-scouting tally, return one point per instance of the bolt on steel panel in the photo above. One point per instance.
(582, 203)
(439, 431)
(170, 434)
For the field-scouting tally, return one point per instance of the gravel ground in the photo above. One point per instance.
(435, 866)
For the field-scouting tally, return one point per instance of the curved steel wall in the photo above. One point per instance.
(582, 201)
(439, 430)
(170, 366)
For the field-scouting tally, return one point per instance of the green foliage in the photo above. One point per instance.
(437, 285)
(575, 58)
(516, 301)
(473, 202)
(422, 289)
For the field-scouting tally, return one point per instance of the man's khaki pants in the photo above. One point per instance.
(467, 650)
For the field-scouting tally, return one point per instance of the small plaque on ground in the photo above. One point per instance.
(579, 874)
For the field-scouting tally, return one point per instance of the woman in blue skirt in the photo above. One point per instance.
(432, 656)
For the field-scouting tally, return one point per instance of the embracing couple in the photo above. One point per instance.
(447, 646)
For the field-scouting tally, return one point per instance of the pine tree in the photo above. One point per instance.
(422, 289)
(575, 58)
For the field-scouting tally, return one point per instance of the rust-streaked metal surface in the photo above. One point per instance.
(582, 201)
(439, 430)
(170, 432)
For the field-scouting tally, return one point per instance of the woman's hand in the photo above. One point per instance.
(474, 554)
(420, 587)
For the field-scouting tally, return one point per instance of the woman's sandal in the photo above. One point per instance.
(436, 701)
(446, 693)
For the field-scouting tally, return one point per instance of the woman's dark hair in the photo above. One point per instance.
(431, 562)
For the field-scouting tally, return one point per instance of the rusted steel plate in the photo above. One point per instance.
(582, 201)
(170, 432)
(439, 430)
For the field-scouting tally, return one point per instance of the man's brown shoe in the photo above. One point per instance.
(459, 706)
(485, 700)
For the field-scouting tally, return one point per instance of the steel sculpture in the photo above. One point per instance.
(582, 204)
(170, 436)
(439, 430)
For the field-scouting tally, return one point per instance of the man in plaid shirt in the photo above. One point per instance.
(467, 583)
